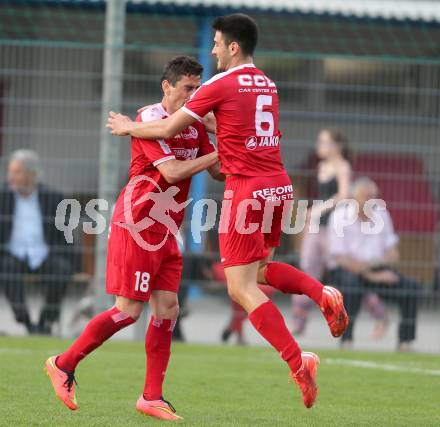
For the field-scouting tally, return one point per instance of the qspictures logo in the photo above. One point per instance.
(207, 214)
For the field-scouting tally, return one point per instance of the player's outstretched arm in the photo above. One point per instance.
(158, 129)
(176, 170)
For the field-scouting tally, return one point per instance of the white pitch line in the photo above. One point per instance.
(366, 364)
(382, 366)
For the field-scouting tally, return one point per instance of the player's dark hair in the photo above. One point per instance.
(181, 66)
(239, 28)
(341, 140)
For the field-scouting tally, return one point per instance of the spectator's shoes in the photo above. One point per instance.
(63, 383)
(306, 378)
(332, 306)
(157, 408)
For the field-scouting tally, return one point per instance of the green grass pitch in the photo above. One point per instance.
(220, 386)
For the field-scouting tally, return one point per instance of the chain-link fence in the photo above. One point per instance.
(377, 80)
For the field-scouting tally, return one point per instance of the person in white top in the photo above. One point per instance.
(363, 254)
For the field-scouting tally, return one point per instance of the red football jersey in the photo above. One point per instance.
(136, 199)
(245, 104)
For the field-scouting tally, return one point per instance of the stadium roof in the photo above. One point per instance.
(401, 10)
(292, 30)
(418, 10)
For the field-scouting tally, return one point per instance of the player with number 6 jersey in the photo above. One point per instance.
(144, 262)
(244, 102)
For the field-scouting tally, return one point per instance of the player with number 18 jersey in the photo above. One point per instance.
(144, 262)
(152, 262)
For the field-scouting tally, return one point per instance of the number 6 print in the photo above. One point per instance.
(263, 116)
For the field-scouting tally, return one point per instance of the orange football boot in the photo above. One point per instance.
(157, 408)
(63, 383)
(305, 378)
(332, 306)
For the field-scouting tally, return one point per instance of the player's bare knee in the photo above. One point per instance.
(236, 292)
(166, 307)
(169, 312)
(134, 311)
(232, 294)
(135, 316)
(131, 307)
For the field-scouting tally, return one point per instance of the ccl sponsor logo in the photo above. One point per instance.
(271, 194)
(261, 141)
(257, 80)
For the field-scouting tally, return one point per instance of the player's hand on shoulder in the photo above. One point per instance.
(117, 123)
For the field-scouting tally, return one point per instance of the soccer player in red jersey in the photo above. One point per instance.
(143, 261)
(245, 105)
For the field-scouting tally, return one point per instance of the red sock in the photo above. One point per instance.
(158, 349)
(269, 322)
(290, 280)
(98, 330)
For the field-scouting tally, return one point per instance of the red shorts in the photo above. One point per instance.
(134, 272)
(254, 224)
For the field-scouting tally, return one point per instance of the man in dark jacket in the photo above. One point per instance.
(29, 242)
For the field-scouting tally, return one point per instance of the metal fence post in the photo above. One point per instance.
(109, 146)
